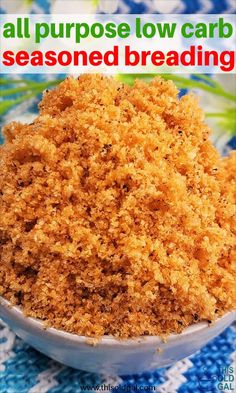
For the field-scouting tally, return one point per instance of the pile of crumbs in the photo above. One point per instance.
(118, 216)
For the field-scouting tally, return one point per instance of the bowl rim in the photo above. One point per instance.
(35, 323)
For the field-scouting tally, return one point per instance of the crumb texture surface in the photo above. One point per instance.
(117, 214)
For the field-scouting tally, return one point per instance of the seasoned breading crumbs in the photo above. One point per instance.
(117, 213)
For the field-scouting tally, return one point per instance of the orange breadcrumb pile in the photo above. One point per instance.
(117, 215)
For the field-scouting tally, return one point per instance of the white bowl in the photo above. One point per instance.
(116, 357)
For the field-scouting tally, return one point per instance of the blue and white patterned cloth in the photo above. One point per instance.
(24, 370)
